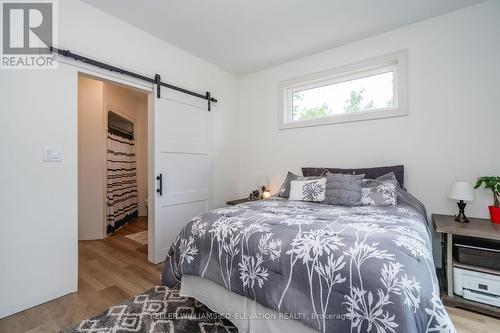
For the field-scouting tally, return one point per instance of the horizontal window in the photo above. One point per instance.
(368, 90)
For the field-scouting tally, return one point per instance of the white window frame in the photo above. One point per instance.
(396, 62)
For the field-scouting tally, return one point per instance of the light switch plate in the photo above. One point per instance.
(52, 154)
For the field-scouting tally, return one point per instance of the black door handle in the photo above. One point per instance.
(160, 179)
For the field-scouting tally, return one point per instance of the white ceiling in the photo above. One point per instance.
(247, 36)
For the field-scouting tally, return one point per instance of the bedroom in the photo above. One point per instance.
(447, 132)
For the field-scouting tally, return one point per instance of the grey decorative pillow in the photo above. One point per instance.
(389, 178)
(308, 190)
(284, 191)
(380, 191)
(343, 190)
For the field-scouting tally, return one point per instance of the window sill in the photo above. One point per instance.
(344, 118)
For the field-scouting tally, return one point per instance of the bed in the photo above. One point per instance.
(328, 268)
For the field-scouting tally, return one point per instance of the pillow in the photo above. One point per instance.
(380, 191)
(388, 178)
(308, 190)
(284, 191)
(343, 190)
(370, 173)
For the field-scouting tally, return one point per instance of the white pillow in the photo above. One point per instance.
(308, 190)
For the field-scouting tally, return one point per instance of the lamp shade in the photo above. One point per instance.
(461, 190)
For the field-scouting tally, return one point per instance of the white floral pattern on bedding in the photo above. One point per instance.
(374, 193)
(359, 269)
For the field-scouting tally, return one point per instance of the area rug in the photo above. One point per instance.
(159, 309)
(139, 237)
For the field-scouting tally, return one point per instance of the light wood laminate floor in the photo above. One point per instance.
(116, 268)
(109, 271)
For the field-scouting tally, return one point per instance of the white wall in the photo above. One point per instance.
(91, 159)
(451, 131)
(141, 137)
(38, 245)
(38, 200)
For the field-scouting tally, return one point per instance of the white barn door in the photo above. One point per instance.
(181, 133)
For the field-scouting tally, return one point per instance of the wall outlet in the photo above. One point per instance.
(52, 154)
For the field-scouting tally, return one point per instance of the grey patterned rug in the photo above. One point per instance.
(159, 309)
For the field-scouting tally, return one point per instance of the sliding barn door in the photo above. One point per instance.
(181, 172)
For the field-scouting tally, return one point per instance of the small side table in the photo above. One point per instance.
(239, 201)
(476, 228)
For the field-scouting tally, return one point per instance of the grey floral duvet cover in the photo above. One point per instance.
(337, 269)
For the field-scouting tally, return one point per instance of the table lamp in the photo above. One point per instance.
(266, 193)
(463, 192)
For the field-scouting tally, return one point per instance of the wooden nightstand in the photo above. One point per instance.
(476, 228)
(239, 201)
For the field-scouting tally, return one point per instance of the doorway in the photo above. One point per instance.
(112, 162)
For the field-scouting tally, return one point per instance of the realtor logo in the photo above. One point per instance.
(27, 34)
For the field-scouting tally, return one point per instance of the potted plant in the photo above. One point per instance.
(493, 184)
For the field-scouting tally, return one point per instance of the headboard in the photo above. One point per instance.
(370, 173)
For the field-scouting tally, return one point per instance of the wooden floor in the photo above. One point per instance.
(110, 271)
(116, 268)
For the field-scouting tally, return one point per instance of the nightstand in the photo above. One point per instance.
(480, 229)
(239, 201)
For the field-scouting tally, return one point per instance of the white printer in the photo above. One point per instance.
(477, 286)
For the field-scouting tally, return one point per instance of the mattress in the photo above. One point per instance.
(247, 315)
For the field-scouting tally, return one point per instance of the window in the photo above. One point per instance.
(369, 90)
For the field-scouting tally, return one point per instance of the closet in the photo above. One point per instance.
(112, 157)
